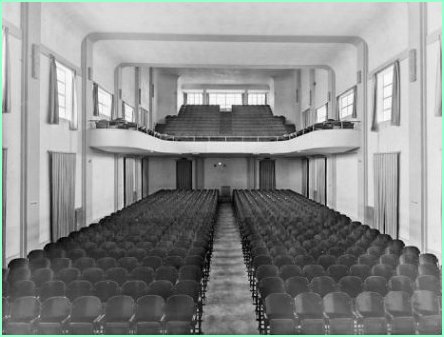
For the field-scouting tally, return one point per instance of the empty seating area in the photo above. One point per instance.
(141, 270)
(314, 271)
(208, 120)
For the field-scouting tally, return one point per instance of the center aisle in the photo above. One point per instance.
(228, 307)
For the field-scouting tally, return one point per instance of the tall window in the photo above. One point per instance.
(257, 98)
(105, 100)
(306, 116)
(346, 103)
(321, 114)
(384, 94)
(226, 99)
(128, 112)
(194, 98)
(65, 91)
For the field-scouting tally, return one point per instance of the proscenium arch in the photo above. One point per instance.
(89, 40)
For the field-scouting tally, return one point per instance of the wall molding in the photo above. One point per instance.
(46, 51)
(13, 29)
(404, 55)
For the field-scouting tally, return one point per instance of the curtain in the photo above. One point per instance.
(53, 92)
(320, 180)
(375, 104)
(184, 175)
(438, 86)
(6, 71)
(4, 204)
(304, 190)
(74, 123)
(63, 173)
(129, 181)
(355, 96)
(95, 99)
(386, 192)
(396, 96)
(267, 176)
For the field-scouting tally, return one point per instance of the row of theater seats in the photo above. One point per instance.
(161, 246)
(208, 120)
(300, 252)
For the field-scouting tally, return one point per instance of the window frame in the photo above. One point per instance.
(326, 113)
(125, 105)
(256, 94)
(382, 96)
(67, 94)
(347, 92)
(99, 104)
(194, 94)
(225, 106)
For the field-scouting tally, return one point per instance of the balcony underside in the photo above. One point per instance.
(138, 143)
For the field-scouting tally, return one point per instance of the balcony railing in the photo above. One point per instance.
(122, 124)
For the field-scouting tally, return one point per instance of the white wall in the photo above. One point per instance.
(289, 174)
(434, 137)
(347, 184)
(165, 95)
(162, 174)
(305, 89)
(128, 85)
(234, 174)
(321, 80)
(285, 96)
(11, 138)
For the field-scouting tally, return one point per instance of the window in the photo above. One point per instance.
(306, 116)
(346, 103)
(128, 112)
(257, 98)
(384, 96)
(321, 114)
(65, 91)
(226, 99)
(105, 101)
(194, 98)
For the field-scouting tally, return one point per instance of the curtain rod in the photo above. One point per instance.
(44, 50)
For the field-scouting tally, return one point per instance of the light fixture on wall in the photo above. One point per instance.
(220, 165)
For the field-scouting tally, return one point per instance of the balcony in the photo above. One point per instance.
(133, 142)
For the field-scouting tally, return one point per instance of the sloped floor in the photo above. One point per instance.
(229, 308)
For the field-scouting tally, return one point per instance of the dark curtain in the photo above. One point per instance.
(4, 177)
(63, 192)
(267, 175)
(184, 174)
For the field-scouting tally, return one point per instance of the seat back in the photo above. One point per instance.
(323, 285)
(24, 309)
(397, 303)
(86, 309)
(308, 305)
(55, 309)
(279, 306)
(338, 305)
(150, 308)
(296, 285)
(351, 285)
(370, 304)
(179, 308)
(119, 308)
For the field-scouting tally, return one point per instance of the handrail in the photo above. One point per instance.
(224, 138)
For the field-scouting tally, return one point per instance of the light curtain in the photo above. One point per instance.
(129, 181)
(6, 71)
(317, 183)
(53, 92)
(95, 99)
(438, 86)
(396, 95)
(375, 104)
(184, 175)
(74, 123)
(267, 175)
(386, 192)
(63, 173)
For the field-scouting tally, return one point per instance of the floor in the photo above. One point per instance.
(228, 308)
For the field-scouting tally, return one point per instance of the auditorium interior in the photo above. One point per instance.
(221, 168)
